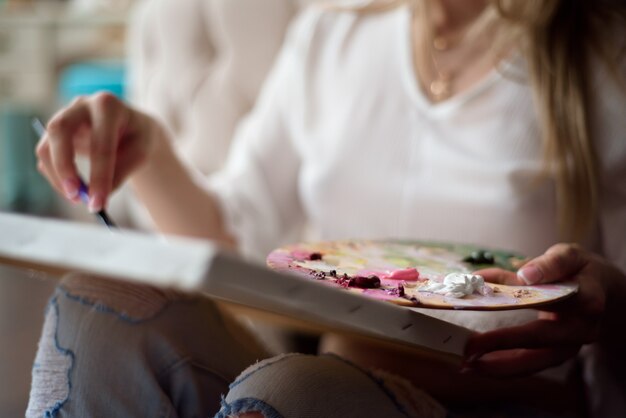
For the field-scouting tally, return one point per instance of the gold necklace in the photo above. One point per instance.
(441, 88)
(442, 85)
(438, 83)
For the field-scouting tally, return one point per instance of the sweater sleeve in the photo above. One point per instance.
(257, 189)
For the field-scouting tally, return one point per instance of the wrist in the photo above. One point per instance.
(158, 155)
(161, 148)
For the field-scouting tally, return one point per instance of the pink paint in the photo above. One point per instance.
(301, 255)
(408, 275)
(279, 259)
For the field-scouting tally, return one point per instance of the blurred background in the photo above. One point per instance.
(50, 51)
(196, 65)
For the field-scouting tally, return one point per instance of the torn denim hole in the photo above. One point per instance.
(51, 383)
(243, 405)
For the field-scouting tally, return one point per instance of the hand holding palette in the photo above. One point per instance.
(415, 274)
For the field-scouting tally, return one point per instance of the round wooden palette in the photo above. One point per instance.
(336, 263)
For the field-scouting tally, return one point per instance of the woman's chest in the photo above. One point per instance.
(383, 166)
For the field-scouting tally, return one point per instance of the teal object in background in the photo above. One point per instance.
(22, 187)
(89, 77)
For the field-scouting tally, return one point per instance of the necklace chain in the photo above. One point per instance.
(459, 48)
(441, 87)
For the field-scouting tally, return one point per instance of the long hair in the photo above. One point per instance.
(559, 39)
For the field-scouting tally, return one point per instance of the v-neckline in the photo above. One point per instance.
(414, 87)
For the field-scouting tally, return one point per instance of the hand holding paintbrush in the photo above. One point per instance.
(123, 143)
(83, 190)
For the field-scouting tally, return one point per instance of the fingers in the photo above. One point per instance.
(108, 122)
(560, 262)
(57, 149)
(101, 120)
(540, 334)
(557, 335)
(520, 362)
(44, 165)
(528, 348)
(500, 276)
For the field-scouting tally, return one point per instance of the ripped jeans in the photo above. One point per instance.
(113, 349)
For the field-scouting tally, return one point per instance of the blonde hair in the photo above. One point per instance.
(558, 38)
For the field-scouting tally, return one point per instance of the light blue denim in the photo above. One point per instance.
(113, 349)
(305, 386)
(173, 359)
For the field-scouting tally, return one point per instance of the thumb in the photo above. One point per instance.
(558, 263)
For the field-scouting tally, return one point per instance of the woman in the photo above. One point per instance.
(497, 123)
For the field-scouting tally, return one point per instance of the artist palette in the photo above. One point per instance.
(397, 271)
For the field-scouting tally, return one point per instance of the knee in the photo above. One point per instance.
(300, 385)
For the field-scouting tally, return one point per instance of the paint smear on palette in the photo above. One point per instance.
(394, 271)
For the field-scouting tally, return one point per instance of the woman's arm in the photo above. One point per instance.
(178, 204)
(254, 197)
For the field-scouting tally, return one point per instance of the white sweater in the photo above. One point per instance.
(343, 140)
